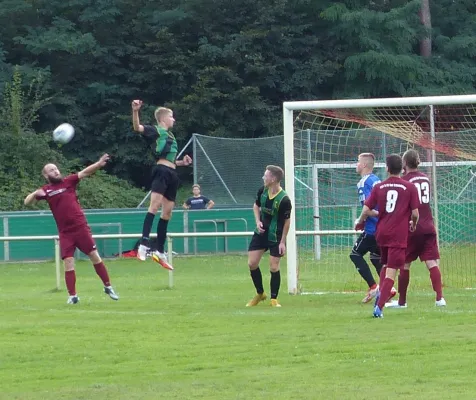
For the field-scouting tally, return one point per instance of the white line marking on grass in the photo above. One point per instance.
(77, 308)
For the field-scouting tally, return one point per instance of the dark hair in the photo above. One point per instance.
(394, 164)
(411, 158)
(276, 171)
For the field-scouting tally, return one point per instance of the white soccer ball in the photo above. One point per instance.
(63, 133)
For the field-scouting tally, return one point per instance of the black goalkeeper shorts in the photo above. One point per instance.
(366, 244)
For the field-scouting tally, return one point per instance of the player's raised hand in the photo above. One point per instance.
(136, 105)
(104, 159)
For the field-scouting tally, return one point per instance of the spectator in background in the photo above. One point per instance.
(197, 201)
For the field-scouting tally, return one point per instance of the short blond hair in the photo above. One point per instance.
(369, 159)
(276, 171)
(160, 112)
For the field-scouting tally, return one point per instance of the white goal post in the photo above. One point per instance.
(379, 124)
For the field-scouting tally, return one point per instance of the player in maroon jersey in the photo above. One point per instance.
(397, 201)
(73, 229)
(423, 242)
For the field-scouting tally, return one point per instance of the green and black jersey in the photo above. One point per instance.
(165, 143)
(274, 211)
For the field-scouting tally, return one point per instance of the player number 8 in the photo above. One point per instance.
(392, 196)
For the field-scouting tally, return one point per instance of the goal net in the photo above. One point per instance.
(230, 170)
(327, 138)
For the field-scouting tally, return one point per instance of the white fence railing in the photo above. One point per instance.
(170, 238)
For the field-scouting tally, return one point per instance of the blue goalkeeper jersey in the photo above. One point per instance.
(364, 187)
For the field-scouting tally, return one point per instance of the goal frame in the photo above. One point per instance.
(288, 129)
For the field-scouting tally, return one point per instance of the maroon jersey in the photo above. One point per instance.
(64, 204)
(422, 182)
(395, 199)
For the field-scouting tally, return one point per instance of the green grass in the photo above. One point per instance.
(198, 341)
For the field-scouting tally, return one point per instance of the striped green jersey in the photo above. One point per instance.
(165, 142)
(274, 211)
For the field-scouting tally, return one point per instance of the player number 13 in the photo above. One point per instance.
(423, 192)
(392, 196)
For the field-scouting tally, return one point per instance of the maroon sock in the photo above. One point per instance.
(102, 273)
(385, 289)
(383, 272)
(70, 279)
(403, 281)
(435, 276)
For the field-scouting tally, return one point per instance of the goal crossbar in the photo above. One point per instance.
(384, 102)
(382, 165)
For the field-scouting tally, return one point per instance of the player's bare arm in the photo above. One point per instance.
(88, 171)
(414, 220)
(363, 215)
(259, 224)
(187, 160)
(136, 105)
(282, 243)
(372, 213)
(31, 198)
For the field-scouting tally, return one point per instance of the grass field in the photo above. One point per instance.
(334, 271)
(198, 341)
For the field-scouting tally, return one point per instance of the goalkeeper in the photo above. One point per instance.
(366, 242)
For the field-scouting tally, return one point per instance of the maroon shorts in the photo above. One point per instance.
(423, 246)
(80, 238)
(392, 257)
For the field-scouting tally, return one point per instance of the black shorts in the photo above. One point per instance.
(366, 243)
(261, 242)
(165, 181)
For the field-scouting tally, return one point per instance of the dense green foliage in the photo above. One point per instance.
(224, 66)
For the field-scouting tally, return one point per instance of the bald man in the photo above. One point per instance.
(73, 229)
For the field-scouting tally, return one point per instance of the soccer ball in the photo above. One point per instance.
(63, 133)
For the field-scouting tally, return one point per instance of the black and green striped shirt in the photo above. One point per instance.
(165, 143)
(274, 211)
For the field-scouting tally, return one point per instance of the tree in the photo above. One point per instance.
(24, 153)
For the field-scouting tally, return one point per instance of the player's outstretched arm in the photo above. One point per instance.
(94, 167)
(136, 105)
(32, 197)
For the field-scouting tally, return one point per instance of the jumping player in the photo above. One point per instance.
(165, 181)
